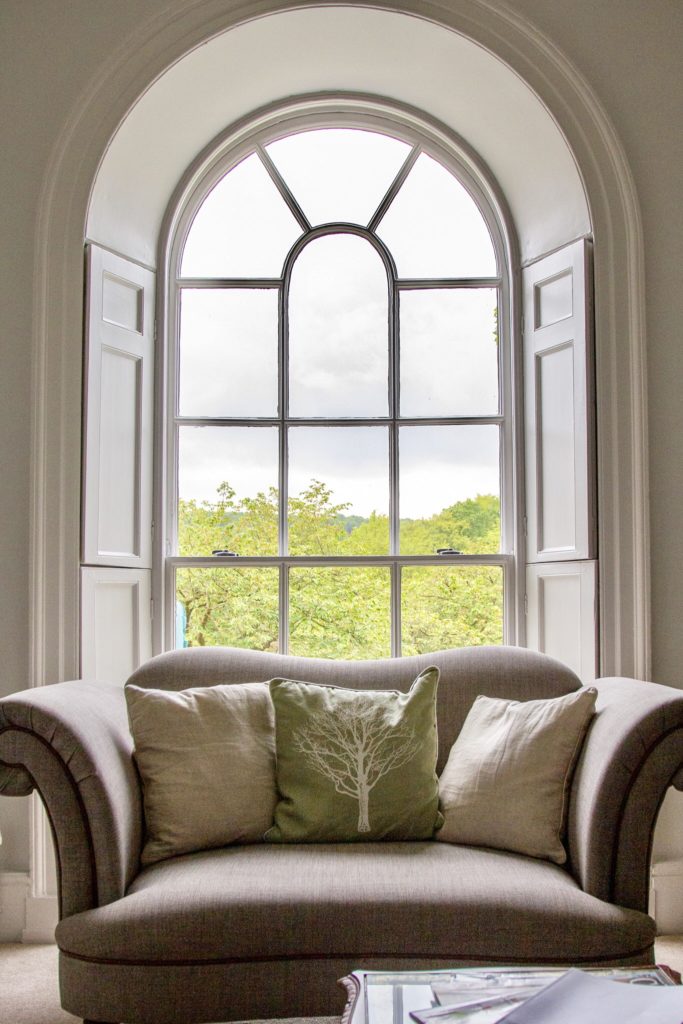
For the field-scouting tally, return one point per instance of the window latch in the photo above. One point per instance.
(448, 551)
(224, 553)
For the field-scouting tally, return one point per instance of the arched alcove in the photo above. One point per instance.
(338, 50)
(487, 76)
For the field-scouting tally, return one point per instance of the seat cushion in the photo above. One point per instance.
(362, 901)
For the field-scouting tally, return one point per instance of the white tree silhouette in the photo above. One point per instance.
(355, 746)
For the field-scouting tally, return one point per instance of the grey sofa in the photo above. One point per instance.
(266, 930)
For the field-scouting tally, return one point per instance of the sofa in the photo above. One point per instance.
(264, 930)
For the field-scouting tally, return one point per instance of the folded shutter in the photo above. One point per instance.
(560, 457)
(117, 466)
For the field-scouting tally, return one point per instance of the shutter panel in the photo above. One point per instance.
(561, 575)
(559, 412)
(116, 575)
(115, 622)
(561, 613)
(119, 377)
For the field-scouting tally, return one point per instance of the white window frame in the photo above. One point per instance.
(466, 167)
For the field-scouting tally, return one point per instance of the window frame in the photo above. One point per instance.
(468, 169)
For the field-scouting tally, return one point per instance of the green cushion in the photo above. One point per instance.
(355, 765)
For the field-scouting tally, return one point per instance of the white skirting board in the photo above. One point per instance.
(41, 919)
(14, 889)
(23, 917)
(666, 896)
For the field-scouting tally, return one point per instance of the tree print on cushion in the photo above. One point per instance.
(355, 765)
(354, 748)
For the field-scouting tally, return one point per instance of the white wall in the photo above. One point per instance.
(310, 51)
(631, 54)
(43, 68)
(50, 52)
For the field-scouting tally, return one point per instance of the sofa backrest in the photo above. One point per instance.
(510, 672)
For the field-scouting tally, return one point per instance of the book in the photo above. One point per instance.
(487, 996)
(580, 996)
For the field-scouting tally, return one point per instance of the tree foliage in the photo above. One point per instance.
(337, 611)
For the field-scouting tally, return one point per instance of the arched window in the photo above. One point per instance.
(340, 455)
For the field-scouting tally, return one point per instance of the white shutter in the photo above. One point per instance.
(559, 412)
(116, 626)
(561, 613)
(561, 574)
(115, 622)
(119, 374)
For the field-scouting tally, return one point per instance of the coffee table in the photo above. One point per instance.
(431, 997)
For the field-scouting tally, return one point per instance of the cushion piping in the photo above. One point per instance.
(483, 958)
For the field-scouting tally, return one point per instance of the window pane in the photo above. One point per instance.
(434, 228)
(338, 330)
(338, 490)
(449, 352)
(340, 612)
(449, 489)
(227, 490)
(450, 606)
(243, 228)
(228, 352)
(227, 607)
(338, 174)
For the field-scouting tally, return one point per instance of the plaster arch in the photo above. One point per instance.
(308, 52)
(89, 177)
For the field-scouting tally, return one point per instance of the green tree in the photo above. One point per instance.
(471, 526)
(340, 612)
(237, 607)
(450, 606)
(247, 526)
(371, 536)
(234, 606)
(315, 523)
(337, 611)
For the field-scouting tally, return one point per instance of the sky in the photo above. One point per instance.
(438, 465)
(337, 329)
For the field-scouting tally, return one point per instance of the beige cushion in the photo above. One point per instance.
(507, 777)
(206, 758)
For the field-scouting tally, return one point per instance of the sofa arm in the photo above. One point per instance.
(71, 742)
(632, 754)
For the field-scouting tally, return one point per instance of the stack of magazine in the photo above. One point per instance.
(523, 996)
